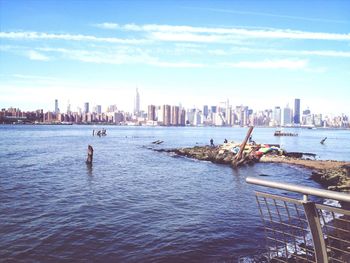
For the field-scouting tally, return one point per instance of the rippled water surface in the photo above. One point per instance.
(135, 204)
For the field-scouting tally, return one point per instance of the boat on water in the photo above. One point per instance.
(281, 133)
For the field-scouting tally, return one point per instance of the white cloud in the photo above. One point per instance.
(269, 64)
(120, 56)
(206, 34)
(107, 25)
(241, 50)
(33, 77)
(68, 37)
(34, 55)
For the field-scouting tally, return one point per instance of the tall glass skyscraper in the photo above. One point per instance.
(86, 107)
(56, 106)
(137, 103)
(296, 118)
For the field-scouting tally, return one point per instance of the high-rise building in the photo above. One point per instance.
(68, 108)
(296, 118)
(287, 116)
(277, 116)
(166, 115)
(159, 113)
(137, 103)
(56, 106)
(182, 117)
(98, 109)
(205, 111)
(151, 113)
(175, 115)
(86, 107)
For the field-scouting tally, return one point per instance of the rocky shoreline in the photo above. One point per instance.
(334, 175)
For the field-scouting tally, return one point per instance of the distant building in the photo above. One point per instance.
(118, 117)
(190, 116)
(205, 111)
(48, 117)
(277, 116)
(166, 115)
(296, 118)
(175, 115)
(68, 107)
(151, 115)
(56, 107)
(182, 117)
(86, 107)
(137, 103)
(287, 116)
(98, 109)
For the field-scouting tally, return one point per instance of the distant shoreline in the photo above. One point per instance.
(169, 126)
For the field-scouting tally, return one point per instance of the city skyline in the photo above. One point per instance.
(260, 54)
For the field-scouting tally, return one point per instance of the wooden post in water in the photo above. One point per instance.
(90, 155)
(238, 156)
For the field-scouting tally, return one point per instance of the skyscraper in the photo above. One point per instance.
(151, 113)
(287, 116)
(166, 115)
(98, 109)
(86, 107)
(175, 115)
(68, 107)
(277, 116)
(56, 106)
(205, 111)
(137, 103)
(296, 118)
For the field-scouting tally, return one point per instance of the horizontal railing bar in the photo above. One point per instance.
(303, 259)
(291, 226)
(337, 210)
(280, 232)
(339, 239)
(278, 197)
(340, 250)
(307, 250)
(285, 216)
(335, 259)
(300, 189)
(338, 228)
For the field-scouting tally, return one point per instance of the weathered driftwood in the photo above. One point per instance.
(238, 160)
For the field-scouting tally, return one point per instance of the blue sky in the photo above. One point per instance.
(257, 53)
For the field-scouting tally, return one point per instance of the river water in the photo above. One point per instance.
(135, 204)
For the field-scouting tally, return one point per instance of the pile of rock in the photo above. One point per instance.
(227, 153)
(334, 179)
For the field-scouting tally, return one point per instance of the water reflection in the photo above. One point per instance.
(89, 169)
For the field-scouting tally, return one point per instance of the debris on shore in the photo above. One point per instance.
(333, 174)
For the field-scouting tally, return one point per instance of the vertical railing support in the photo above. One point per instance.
(316, 232)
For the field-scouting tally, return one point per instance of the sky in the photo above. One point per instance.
(256, 53)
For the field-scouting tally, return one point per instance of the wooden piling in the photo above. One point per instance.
(90, 155)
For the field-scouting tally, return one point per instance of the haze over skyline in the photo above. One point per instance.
(256, 53)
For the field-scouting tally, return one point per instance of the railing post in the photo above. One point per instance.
(316, 232)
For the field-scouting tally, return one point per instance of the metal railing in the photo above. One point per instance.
(300, 230)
